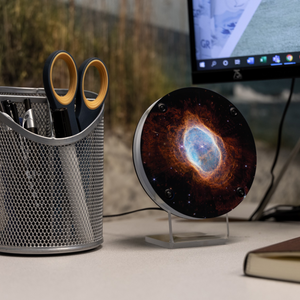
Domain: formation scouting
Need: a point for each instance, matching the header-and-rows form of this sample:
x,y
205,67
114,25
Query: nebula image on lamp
x,y
197,154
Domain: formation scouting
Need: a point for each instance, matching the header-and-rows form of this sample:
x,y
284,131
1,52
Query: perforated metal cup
x,y
51,190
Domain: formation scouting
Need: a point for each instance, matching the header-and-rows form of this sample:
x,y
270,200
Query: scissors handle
x,y
87,110
68,100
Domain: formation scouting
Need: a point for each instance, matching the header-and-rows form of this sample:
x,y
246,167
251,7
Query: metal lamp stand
x,y
187,240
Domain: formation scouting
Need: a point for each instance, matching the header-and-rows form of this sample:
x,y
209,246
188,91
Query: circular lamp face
x,y
194,154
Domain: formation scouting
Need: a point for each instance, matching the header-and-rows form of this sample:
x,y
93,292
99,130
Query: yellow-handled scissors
x,y
86,110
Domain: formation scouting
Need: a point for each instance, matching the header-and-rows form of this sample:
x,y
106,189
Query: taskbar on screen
x,y
276,59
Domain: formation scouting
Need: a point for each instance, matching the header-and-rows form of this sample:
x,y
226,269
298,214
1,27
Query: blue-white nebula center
x,y
201,149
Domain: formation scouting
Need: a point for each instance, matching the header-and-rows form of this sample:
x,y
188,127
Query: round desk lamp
x,y
194,154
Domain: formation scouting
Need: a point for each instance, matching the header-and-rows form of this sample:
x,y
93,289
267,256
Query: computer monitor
x,y
234,40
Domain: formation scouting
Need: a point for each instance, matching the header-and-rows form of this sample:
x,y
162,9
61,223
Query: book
x,y
279,261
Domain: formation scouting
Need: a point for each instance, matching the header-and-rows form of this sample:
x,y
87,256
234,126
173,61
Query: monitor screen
x,y
233,40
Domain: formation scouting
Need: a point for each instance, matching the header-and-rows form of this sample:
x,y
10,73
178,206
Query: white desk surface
x,y
126,267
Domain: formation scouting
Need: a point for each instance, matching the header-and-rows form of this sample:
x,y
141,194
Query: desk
x,y
126,267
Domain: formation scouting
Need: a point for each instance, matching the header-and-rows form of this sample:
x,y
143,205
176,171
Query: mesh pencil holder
x,y
51,190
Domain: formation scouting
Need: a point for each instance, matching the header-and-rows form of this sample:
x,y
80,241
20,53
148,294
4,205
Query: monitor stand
x,y
260,212
187,239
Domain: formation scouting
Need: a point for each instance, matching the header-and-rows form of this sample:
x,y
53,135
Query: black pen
x,y
6,107
10,109
14,111
29,119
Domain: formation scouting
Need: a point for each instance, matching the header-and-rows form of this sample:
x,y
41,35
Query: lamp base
x,y
187,240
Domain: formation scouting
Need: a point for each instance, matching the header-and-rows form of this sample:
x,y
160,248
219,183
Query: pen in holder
x,y
51,189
